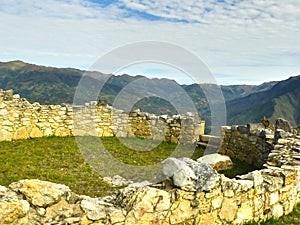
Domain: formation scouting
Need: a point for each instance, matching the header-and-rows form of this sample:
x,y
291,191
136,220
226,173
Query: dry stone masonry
x,y
192,193
251,143
20,119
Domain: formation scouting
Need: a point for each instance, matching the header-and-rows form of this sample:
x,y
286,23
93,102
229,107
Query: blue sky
x,y
240,41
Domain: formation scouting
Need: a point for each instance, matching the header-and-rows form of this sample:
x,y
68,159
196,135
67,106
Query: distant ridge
x,y
245,103
282,100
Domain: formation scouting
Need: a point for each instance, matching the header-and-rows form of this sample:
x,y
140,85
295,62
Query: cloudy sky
x,y
240,41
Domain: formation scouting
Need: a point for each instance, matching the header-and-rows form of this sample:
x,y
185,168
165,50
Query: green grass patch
x,y
239,168
53,159
59,160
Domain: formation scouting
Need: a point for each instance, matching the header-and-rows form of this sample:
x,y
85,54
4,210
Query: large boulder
x,y
180,173
190,175
217,161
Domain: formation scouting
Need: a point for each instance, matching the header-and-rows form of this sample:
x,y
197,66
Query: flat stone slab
x,y
217,161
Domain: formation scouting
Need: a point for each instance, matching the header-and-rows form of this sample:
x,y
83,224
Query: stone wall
x,y
193,193
20,119
251,143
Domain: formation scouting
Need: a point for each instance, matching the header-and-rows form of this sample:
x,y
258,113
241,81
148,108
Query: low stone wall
x,y
251,143
203,196
20,119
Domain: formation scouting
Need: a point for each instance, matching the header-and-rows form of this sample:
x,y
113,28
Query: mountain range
x,y
244,103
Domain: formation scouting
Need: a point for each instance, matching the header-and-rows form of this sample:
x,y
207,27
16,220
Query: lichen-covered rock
x,y
181,174
13,210
94,209
11,207
207,178
41,193
190,175
147,205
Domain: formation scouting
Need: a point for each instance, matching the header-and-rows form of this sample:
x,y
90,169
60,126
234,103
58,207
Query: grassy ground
x,y
59,160
53,159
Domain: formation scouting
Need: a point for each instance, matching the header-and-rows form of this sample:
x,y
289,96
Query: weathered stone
x,y
228,210
60,209
93,209
217,161
184,178
7,123
190,175
5,135
116,215
146,205
255,176
207,177
181,211
40,193
272,198
36,133
244,213
283,124
72,220
217,202
117,181
180,173
12,211
209,219
48,132
21,133
277,211
62,132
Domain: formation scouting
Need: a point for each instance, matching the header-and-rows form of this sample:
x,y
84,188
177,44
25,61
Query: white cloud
x,y
254,39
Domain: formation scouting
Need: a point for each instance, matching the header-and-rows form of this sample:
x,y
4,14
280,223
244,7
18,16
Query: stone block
x,y
36,133
5,135
217,161
40,193
244,213
21,133
277,211
229,210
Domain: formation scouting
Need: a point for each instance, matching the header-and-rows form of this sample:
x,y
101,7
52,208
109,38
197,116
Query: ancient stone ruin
x,y
192,193
20,119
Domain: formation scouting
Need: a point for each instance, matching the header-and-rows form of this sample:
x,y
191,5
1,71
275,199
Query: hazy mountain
x,y
281,100
245,103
